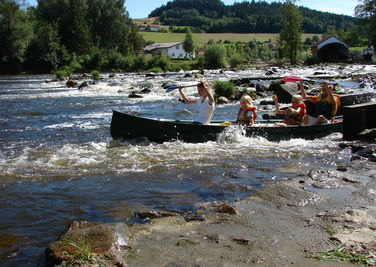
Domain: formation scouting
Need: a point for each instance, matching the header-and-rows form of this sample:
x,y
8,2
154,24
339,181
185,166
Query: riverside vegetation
x,y
77,36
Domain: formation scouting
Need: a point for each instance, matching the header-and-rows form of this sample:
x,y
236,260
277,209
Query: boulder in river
x,y
284,91
93,244
71,83
82,85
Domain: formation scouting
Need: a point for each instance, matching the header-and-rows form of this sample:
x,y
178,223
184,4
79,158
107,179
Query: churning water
x,y
59,164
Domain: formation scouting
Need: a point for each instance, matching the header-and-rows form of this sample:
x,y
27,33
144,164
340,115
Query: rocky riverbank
x,y
285,223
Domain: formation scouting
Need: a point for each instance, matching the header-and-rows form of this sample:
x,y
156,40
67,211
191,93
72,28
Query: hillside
x,y
213,16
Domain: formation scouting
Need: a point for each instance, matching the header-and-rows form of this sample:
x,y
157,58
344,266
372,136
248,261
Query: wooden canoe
x,y
126,126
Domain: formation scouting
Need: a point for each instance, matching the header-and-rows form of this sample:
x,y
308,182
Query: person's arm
x,y
209,94
332,98
303,92
185,98
277,109
251,121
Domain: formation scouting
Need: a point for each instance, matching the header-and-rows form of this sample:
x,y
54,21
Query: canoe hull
x,y
126,126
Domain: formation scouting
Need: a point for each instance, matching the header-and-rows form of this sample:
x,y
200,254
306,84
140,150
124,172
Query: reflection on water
x,y
59,164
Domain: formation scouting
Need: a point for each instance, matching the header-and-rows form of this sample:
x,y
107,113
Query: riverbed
x,y
58,162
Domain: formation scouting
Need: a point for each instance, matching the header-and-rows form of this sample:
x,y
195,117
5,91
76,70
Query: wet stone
x,y
225,208
194,217
242,240
186,242
154,214
342,168
99,244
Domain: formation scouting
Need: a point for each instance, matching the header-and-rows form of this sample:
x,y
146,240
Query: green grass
x,y
202,38
343,254
83,251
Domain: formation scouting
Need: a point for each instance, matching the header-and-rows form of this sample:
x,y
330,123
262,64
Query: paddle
x,y
172,87
296,79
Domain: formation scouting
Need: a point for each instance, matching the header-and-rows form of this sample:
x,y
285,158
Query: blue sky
x,y
142,8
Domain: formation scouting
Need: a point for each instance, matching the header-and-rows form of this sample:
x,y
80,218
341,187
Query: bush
x,y
235,60
155,69
62,73
226,89
160,61
94,60
139,63
215,56
95,74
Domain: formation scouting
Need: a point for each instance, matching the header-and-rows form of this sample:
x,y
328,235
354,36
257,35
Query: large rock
x,y
284,91
361,235
71,83
95,244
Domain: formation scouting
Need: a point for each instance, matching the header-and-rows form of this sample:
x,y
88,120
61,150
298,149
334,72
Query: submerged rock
x,y
71,83
226,208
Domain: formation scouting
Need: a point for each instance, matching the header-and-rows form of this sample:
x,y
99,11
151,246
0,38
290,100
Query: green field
x,y
202,38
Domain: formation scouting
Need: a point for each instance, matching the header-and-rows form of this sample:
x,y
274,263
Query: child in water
x,y
294,114
247,112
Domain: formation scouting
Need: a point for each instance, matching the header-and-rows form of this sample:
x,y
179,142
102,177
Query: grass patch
x,y
351,255
166,37
82,251
329,229
201,39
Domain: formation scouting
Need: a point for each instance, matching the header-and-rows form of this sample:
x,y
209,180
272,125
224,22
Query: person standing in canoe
x,y
326,104
205,102
294,114
247,112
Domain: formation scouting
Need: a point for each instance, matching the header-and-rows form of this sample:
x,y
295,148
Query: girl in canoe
x,y
205,102
294,114
247,112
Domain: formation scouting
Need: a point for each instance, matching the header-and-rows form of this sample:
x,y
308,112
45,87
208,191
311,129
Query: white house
x,y
149,27
173,50
155,28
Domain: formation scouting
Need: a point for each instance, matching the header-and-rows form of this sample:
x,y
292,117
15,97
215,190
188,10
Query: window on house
x,y
173,55
177,47
180,55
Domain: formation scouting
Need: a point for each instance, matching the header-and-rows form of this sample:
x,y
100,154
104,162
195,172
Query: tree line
x,y
77,33
244,17
85,35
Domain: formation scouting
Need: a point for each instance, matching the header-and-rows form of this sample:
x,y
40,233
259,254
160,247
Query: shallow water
x,y
59,164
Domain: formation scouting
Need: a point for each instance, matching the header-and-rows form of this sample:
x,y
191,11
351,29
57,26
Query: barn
x,y
330,49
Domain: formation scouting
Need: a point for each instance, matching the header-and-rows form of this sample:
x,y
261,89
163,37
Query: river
x,y
59,164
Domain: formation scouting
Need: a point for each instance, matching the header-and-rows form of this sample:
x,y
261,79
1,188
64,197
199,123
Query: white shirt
x,y
205,111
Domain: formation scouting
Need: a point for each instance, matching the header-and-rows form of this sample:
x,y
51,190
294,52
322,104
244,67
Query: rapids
x,y
59,164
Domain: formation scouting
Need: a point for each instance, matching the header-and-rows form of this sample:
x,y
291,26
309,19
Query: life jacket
x,y
325,107
302,112
242,115
302,107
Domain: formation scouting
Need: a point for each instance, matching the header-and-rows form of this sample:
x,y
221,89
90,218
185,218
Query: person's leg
x,y
320,120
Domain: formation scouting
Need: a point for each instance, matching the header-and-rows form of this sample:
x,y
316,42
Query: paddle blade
x,y
172,87
291,79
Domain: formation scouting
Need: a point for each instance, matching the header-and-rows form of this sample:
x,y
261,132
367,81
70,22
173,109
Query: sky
x,y
141,8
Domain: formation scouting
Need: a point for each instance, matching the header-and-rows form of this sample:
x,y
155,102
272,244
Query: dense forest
x,y
81,34
244,17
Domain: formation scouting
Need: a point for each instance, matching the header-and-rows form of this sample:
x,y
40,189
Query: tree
x,y
367,11
291,33
215,56
15,34
189,44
